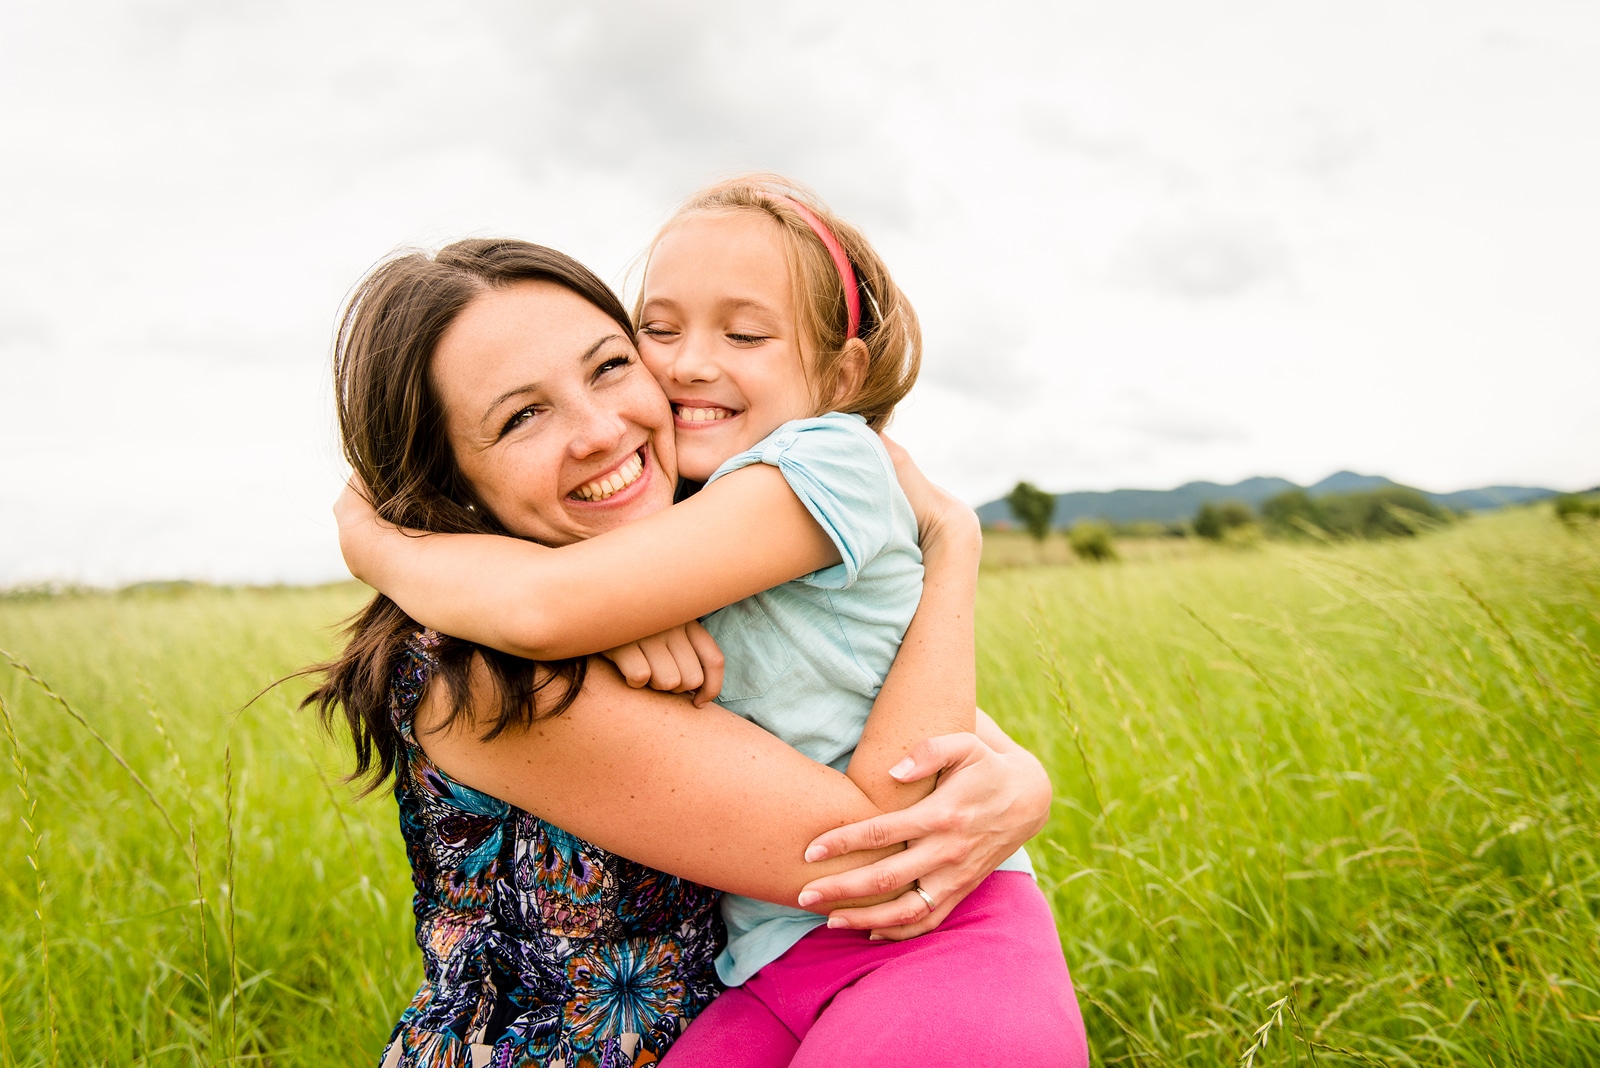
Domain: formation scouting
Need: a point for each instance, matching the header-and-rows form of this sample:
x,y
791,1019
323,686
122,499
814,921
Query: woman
x,y
519,783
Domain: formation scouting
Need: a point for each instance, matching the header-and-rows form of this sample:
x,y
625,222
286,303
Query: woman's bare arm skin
x,y
701,794
744,533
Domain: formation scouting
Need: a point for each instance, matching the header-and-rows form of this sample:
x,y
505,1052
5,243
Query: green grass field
x,y
1315,805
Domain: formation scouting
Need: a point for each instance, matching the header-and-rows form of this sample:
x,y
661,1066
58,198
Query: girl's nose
x,y
693,359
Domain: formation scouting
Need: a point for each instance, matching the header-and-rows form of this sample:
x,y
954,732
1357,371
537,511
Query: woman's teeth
x,y
614,483
702,415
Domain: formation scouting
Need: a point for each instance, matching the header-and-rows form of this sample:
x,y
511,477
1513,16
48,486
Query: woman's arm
x,y
704,795
993,796
744,533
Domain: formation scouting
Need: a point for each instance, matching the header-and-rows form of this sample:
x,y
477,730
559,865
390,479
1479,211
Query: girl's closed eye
x,y
747,339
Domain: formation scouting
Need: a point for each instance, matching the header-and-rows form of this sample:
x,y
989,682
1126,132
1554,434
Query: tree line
x,y
1392,511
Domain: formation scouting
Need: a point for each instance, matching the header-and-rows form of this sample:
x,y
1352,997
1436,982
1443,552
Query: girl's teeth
x,y
621,479
703,415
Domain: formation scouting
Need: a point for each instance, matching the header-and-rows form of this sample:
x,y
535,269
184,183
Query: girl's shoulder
x,y
838,468
837,448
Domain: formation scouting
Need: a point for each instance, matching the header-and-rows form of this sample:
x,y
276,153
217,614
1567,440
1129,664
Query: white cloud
x,y
1150,241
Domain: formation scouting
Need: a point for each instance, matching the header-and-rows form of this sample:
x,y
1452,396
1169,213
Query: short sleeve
x,y
838,468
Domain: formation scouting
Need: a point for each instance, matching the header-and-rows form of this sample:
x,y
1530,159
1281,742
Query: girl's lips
x,y
627,493
698,415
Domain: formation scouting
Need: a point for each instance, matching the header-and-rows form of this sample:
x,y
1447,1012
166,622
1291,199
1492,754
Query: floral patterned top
x,y
538,948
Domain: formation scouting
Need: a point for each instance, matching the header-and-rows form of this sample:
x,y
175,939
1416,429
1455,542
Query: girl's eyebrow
x,y
737,304
533,387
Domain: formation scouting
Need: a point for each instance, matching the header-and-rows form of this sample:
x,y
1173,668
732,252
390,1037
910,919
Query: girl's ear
x,y
852,371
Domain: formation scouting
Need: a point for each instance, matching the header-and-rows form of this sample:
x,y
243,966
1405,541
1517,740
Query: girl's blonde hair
x,y
889,326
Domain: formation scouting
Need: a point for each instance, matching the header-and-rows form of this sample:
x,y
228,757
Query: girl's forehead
x,y
750,238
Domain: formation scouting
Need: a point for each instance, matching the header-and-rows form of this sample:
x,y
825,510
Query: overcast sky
x,y
1149,241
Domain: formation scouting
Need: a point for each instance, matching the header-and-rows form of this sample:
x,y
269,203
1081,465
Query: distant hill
x,y
1176,505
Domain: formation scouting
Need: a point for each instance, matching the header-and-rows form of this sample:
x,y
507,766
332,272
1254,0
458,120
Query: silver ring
x,y
917,886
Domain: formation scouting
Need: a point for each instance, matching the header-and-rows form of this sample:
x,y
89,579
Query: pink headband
x,y
841,262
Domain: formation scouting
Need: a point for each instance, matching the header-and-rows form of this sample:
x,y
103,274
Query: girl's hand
x,y
678,660
358,521
987,804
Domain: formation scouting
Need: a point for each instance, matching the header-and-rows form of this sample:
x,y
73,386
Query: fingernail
x,y
836,923
809,897
873,937
902,769
815,852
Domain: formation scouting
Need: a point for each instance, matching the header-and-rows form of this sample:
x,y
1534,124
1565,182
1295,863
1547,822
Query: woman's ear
x,y
853,362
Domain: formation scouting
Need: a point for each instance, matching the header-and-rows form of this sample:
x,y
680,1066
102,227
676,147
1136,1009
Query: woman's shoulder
x,y
416,664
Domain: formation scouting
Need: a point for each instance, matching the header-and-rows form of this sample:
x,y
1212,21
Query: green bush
x,y
1213,521
1092,542
1033,507
1394,511
1291,513
1573,507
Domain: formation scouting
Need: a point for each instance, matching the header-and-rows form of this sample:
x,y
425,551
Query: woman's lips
x,y
625,476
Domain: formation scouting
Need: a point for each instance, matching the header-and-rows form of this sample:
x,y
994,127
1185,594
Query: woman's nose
x,y
596,429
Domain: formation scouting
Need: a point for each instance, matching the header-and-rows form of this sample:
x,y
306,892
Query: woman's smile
x,y
575,437
629,477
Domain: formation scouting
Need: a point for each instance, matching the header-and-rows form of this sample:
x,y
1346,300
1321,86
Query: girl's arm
x,y
932,687
744,533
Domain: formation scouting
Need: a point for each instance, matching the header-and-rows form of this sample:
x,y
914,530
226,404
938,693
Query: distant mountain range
x,y
1174,505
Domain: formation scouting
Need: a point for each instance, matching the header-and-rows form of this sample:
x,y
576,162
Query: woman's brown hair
x,y
392,426
889,326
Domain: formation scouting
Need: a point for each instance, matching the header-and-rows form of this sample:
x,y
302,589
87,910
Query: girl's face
x,y
559,428
717,329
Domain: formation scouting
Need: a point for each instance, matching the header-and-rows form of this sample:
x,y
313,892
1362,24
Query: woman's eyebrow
x,y
533,387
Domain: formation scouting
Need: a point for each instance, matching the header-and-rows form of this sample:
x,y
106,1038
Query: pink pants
x,y
988,987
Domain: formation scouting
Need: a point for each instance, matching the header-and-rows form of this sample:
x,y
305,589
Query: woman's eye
x,y
615,363
518,419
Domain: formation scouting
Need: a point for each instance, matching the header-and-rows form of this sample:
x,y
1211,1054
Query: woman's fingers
x,y
907,915
901,932
709,655
933,755
927,859
945,752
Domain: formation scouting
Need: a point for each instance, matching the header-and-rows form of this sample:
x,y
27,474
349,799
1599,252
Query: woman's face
x,y
551,416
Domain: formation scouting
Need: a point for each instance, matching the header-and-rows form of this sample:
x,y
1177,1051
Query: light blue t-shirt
x,y
805,660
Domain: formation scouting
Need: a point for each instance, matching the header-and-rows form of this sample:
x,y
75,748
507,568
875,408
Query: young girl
x,y
782,344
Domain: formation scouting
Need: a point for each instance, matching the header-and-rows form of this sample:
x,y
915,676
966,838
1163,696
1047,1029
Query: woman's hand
x,y
988,802
682,659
